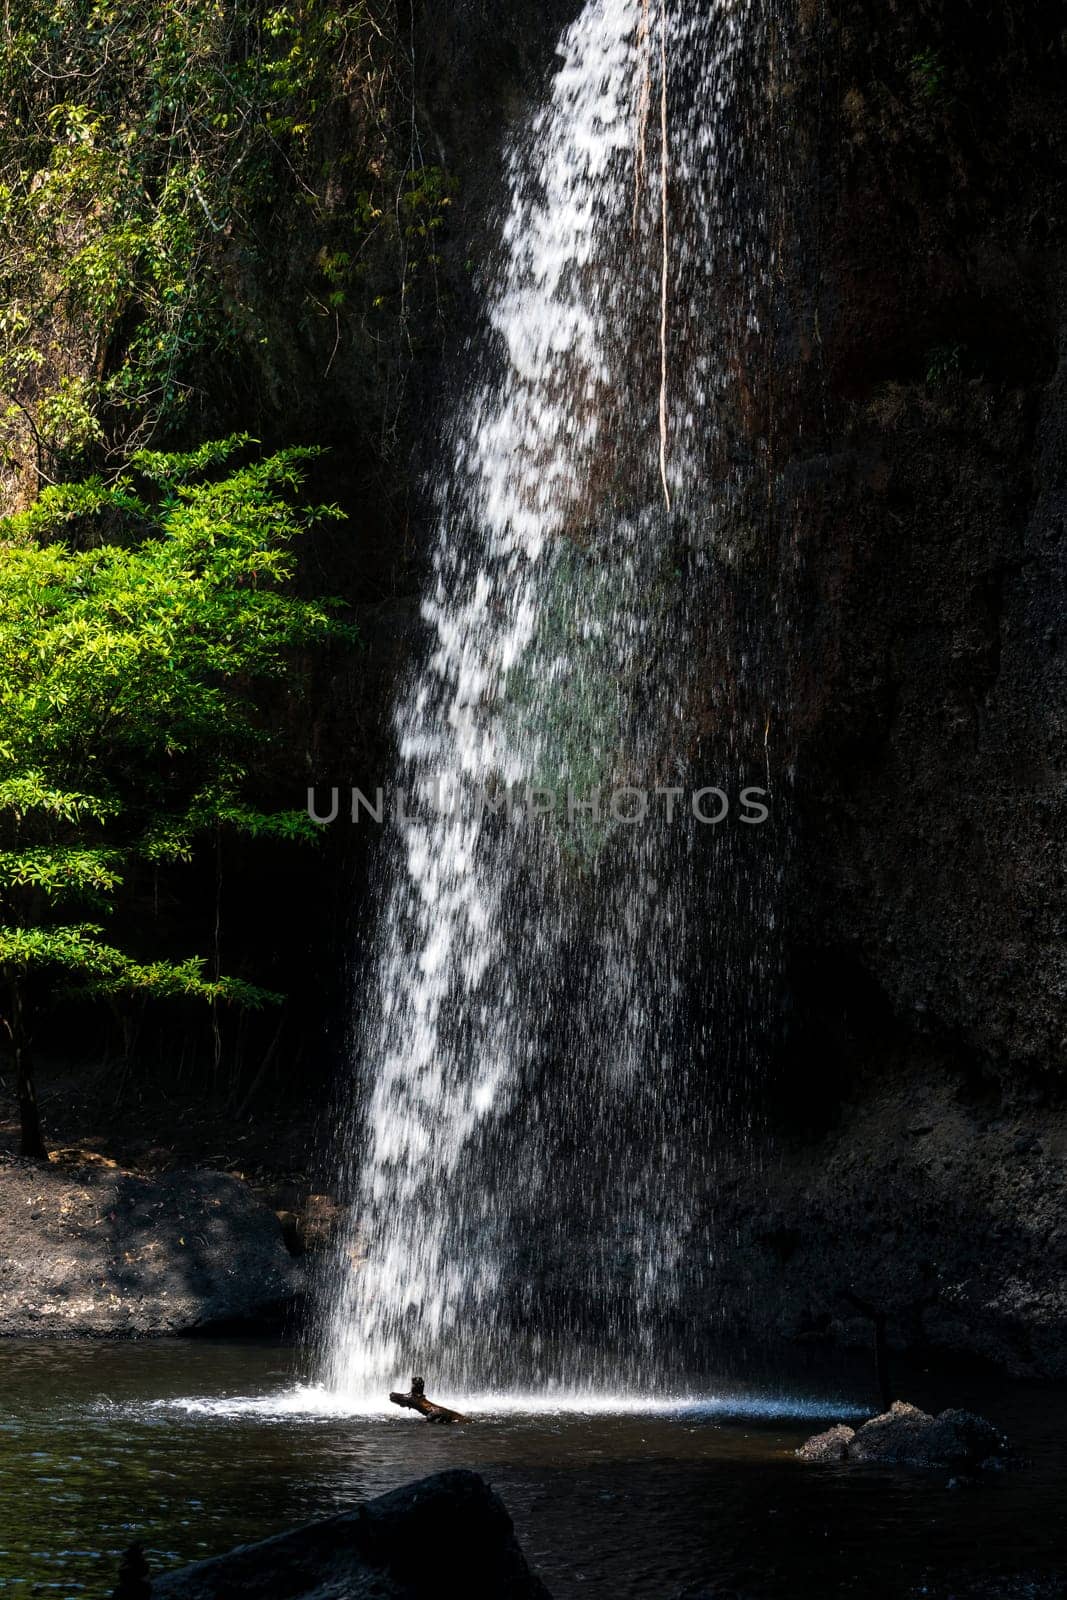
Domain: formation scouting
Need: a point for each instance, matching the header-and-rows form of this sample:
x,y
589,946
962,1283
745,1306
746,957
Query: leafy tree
x,y
170,173
132,663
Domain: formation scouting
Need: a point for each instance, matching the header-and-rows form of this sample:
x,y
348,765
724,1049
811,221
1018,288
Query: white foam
x,y
313,1402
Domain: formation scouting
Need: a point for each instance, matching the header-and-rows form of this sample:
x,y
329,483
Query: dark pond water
x,y
194,1447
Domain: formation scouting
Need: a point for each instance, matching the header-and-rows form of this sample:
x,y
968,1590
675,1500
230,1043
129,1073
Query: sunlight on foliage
x,y
139,623
156,161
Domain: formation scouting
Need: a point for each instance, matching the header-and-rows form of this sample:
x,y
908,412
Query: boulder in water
x,y
446,1533
906,1436
829,1446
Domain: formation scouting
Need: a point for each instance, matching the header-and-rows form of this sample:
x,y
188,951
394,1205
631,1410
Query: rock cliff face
x,y
941,1209
920,1145
915,1143
930,664
921,460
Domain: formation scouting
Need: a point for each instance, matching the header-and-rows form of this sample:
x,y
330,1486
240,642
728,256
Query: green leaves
x,y
132,672
144,149
175,466
130,645
29,792
62,870
100,968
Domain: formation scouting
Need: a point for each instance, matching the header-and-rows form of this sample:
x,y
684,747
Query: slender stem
x,y
666,255
643,98
31,1146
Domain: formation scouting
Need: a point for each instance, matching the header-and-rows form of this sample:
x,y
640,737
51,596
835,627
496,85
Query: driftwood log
x,y
417,1401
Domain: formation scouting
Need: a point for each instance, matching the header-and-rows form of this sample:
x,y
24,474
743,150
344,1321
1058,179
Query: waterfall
x,y
569,966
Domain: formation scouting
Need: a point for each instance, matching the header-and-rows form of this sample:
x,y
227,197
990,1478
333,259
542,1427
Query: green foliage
x,y
156,161
944,366
132,666
79,952
420,211
928,74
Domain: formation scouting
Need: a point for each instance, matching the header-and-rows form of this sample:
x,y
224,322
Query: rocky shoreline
x,y
95,1251
919,1199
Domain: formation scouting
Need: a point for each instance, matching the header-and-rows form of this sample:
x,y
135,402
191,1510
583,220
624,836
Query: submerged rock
x,y
99,1251
447,1533
906,1436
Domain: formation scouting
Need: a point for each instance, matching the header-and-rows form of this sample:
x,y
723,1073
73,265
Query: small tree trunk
x,y
31,1146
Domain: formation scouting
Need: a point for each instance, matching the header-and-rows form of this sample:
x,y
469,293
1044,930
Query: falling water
x,y
570,969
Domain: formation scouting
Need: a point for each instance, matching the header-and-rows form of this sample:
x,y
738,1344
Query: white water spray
x,y
544,1014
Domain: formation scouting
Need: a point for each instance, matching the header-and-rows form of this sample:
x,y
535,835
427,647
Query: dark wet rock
x,y
829,1446
703,1592
135,1578
957,1240
445,1533
1044,1586
98,1251
919,1150
906,1436
909,1436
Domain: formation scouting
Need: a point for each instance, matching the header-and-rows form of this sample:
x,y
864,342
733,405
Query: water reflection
x,y
194,1447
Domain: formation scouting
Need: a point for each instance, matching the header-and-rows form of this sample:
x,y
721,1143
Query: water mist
x,y
570,970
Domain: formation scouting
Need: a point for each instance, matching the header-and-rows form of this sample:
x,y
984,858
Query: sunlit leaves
x,y
61,869
29,792
132,670
139,143
90,963
174,466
